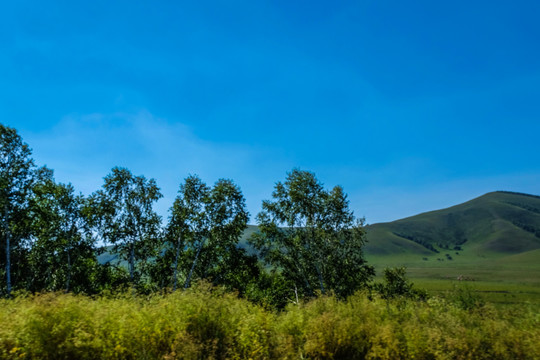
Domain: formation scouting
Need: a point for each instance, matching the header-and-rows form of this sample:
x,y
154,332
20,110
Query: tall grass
x,y
207,323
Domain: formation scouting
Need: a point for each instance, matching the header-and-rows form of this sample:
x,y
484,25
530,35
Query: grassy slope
x,y
492,223
498,256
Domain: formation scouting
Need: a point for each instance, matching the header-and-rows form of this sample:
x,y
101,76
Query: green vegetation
x,y
298,285
396,285
54,235
503,279
204,227
121,214
488,243
310,236
498,223
208,323
16,180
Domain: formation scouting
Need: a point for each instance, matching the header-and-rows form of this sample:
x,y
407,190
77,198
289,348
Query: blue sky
x,y
410,106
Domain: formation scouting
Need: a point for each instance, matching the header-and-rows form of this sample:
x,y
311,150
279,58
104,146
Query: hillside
x,y
495,223
493,241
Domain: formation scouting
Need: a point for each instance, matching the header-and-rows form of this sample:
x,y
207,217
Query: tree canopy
x,y
16,180
312,237
308,239
204,228
123,216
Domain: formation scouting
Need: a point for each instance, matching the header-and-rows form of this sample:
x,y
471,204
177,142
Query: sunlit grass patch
x,y
206,323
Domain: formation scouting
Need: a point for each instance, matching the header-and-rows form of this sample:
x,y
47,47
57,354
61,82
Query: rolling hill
x,y
495,223
493,241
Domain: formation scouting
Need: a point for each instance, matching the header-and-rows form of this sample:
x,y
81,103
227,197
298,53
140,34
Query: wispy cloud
x,y
82,149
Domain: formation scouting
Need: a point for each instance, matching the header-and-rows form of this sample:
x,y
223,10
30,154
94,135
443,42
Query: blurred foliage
x,y
206,322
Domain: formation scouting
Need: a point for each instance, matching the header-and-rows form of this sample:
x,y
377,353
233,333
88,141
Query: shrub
x,y
210,323
466,298
396,285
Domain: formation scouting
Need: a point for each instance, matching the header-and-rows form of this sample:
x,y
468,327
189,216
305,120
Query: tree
x,y
189,222
228,220
312,237
16,178
123,216
204,226
63,252
396,285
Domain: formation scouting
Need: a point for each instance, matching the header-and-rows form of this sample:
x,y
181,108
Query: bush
x,y
209,323
396,285
466,298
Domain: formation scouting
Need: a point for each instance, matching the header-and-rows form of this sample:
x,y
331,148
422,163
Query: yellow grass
x,y
207,323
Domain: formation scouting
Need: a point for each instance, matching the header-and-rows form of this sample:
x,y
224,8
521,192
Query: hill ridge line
x,y
500,222
517,193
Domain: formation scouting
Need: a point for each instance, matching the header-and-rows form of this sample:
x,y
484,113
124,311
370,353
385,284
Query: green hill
x,y
495,223
492,241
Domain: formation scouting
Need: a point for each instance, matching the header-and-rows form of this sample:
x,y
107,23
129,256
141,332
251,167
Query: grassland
x,y
499,278
497,254
491,244
481,267
495,223
206,323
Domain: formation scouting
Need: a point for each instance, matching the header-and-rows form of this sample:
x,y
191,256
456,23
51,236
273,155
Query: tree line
x,y
308,240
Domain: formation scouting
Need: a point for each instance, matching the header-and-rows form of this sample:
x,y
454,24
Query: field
x,y
493,312
501,279
479,263
206,323
490,244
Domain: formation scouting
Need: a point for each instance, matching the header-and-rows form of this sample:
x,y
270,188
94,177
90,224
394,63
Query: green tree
x,y
16,178
312,237
189,223
228,220
396,285
203,231
63,252
123,216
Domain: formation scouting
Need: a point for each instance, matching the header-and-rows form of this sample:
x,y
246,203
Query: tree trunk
x,y
186,285
176,263
308,286
131,262
321,282
68,278
8,250
306,281
318,250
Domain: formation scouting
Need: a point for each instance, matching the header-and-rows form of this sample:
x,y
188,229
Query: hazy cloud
x,y
82,149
